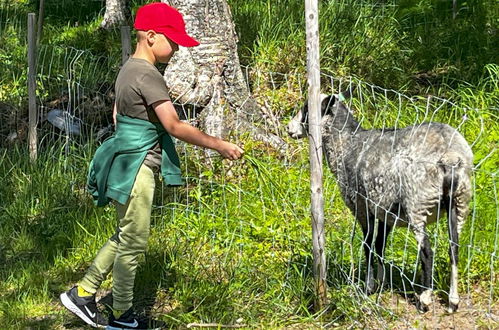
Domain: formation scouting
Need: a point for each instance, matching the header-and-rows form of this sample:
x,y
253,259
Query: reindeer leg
x,y
426,256
453,255
368,230
383,231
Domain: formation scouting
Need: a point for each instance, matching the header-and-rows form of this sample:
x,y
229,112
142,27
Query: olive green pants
x,y
121,251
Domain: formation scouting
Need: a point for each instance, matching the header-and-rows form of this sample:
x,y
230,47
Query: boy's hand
x,y
229,150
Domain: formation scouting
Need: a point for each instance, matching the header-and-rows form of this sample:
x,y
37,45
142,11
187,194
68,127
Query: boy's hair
x,y
140,35
161,18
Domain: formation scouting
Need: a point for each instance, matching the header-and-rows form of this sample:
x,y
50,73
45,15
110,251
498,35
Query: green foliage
x,y
234,245
43,210
89,37
363,39
13,65
214,261
453,49
268,30
61,12
413,45
351,32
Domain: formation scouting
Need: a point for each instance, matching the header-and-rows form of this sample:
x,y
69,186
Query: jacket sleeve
x,y
92,182
98,172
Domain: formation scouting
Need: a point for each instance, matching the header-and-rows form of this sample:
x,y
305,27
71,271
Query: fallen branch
x,y
215,325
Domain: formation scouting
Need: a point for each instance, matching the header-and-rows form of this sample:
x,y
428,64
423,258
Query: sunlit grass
x,y
232,245
235,244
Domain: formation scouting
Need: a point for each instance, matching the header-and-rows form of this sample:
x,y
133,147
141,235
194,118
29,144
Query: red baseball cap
x,y
161,18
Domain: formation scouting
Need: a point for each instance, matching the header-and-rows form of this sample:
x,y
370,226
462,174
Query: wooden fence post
x,y
315,148
126,44
41,15
33,113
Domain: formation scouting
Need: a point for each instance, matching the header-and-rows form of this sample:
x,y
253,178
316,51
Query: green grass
x,y
409,45
235,243
415,46
211,261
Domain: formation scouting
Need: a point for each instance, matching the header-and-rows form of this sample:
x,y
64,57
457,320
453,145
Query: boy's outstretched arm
x,y
190,134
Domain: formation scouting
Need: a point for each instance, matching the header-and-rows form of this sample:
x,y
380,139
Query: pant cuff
x,y
87,286
121,306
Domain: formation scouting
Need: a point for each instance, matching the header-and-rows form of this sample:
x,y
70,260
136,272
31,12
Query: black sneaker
x,y
130,320
84,307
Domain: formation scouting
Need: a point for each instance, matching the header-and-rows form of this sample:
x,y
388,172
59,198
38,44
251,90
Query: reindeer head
x,y
330,106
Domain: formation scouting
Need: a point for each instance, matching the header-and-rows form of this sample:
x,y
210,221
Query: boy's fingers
x,y
235,154
232,151
239,152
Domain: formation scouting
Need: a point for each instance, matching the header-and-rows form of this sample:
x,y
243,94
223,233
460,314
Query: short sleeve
x,y
153,87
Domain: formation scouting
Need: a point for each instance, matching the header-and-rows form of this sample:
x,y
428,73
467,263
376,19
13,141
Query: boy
x,y
123,166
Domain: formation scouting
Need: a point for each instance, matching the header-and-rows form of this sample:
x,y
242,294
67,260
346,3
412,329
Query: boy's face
x,y
163,48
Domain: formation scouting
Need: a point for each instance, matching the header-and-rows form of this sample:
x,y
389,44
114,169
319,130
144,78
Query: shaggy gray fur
x,y
397,177
408,169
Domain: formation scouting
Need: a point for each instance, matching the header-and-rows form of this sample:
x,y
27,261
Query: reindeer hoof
x,y
422,308
452,308
371,289
425,300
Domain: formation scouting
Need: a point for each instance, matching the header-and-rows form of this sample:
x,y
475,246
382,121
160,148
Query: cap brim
x,y
181,39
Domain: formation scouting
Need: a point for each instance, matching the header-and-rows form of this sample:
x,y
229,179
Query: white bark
x,y
209,76
117,13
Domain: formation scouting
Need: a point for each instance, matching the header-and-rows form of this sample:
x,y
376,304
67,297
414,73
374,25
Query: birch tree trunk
x,y
117,13
209,77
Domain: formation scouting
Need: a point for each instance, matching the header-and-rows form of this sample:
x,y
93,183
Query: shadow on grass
x,y
153,276
345,275
405,283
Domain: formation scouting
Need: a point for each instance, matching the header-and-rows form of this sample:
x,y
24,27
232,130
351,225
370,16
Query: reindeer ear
x,y
327,103
345,95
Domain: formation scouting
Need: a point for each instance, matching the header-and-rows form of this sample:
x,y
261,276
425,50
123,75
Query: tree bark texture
x,y
209,76
117,13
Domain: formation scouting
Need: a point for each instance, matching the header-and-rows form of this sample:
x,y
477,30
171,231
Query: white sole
x,y
115,328
75,310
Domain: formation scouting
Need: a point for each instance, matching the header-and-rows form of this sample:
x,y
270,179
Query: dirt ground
x,y
476,311
473,313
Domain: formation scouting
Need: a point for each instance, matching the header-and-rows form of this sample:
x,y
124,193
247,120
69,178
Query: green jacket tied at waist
x,y
117,161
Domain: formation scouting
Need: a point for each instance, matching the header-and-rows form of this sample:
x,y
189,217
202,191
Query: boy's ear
x,y
144,35
151,36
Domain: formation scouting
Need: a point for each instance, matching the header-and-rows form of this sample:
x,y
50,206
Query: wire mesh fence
x,y
247,222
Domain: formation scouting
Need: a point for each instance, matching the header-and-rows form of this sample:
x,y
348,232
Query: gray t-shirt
x,y
138,86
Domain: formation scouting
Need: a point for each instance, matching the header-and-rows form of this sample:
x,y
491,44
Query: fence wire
x,y
260,206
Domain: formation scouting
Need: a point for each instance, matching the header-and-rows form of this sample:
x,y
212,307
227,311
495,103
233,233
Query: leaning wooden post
x,y
126,44
41,15
315,148
33,113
